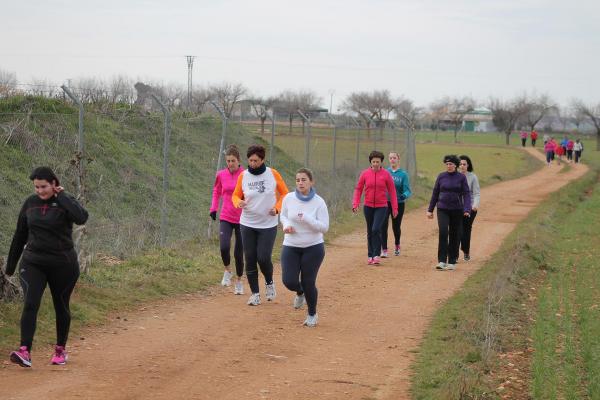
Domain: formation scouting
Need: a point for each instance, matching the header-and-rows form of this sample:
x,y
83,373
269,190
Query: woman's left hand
x,y
467,215
273,211
58,189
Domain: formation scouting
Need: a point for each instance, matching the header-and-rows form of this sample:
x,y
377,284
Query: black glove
x,y
213,215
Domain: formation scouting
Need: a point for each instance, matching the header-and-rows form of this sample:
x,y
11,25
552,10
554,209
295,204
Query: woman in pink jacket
x,y
229,218
377,183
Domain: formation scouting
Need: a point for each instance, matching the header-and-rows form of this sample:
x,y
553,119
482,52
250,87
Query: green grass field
x,y
547,316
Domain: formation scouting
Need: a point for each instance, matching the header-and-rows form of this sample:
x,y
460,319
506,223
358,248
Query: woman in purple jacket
x,y
452,196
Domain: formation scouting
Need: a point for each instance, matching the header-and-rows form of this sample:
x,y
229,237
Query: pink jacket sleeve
x,y
358,191
217,190
391,188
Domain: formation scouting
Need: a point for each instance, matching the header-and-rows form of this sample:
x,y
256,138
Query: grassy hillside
x,y
123,163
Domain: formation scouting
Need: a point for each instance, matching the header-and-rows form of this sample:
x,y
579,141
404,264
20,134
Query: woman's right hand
x,y
354,210
242,204
289,229
429,215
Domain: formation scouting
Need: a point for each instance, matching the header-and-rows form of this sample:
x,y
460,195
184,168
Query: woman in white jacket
x,y
466,167
304,218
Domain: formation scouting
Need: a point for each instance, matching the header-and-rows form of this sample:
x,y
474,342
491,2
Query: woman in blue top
x,y
403,192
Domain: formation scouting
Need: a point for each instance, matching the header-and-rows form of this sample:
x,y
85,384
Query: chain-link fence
x,y
136,201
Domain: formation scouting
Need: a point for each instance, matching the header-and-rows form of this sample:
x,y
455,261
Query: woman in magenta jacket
x,y
229,218
377,183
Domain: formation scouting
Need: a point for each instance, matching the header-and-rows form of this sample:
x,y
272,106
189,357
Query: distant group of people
x,y
254,201
555,151
523,135
456,194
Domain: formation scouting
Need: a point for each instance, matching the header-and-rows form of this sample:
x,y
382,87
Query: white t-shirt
x,y
310,219
260,197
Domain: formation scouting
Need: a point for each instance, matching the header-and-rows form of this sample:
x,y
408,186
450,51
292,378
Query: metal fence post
x,y
272,118
306,119
357,143
80,147
223,133
80,230
163,206
334,140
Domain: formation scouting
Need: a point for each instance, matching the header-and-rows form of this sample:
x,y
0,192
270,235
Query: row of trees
x,y
372,109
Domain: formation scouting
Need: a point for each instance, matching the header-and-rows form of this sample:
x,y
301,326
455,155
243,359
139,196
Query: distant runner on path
x,y
44,238
453,199
229,218
377,184
305,219
403,192
259,192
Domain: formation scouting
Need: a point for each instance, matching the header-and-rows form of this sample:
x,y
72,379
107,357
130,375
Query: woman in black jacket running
x,y
44,238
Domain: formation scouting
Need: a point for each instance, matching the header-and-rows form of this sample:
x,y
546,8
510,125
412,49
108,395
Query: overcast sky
x,y
422,49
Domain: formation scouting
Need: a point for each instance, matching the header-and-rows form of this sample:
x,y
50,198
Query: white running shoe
x,y
311,320
299,301
271,292
226,281
384,254
450,267
440,266
254,300
239,288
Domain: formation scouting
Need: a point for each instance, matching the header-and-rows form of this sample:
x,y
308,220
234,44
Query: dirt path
x,y
216,347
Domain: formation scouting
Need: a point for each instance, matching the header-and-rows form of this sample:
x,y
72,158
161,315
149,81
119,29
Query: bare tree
x,y
227,95
8,83
360,103
409,114
289,102
121,90
577,116
42,88
454,110
286,103
537,108
261,106
592,114
200,96
506,114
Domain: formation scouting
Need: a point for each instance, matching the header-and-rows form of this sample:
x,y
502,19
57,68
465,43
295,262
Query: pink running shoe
x,y
376,260
60,356
370,261
21,357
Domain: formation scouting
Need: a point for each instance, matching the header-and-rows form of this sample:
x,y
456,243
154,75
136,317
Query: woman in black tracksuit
x,y
44,238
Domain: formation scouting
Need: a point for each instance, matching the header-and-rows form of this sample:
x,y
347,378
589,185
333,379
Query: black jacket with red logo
x,y
46,227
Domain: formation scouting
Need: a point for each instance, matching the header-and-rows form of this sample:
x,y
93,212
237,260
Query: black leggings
x,y
450,224
396,223
299,267
374,217
61,274
465,241
258,248
226,228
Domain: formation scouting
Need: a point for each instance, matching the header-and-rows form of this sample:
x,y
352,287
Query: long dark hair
x,y
469,163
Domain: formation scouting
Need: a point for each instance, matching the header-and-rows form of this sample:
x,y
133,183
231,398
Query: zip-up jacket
x,y
473,183
549,146
401,183
224,186
451,192
261,193
377,185
46,227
